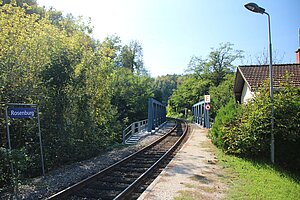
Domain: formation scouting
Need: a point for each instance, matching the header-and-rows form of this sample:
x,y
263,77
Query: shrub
x,y
226,117
287,127
245,130
4,168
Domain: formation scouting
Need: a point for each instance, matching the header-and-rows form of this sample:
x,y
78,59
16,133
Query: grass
x,y
195,194
189,195
257,180
246,180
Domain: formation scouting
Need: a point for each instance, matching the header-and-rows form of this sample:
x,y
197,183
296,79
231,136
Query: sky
x,y
172,31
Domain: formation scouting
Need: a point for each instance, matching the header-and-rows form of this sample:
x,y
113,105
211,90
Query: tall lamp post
x,y
255,8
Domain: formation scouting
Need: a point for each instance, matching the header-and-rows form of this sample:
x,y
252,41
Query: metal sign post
x,y
21,111
207,108
41,145
9,144
206,113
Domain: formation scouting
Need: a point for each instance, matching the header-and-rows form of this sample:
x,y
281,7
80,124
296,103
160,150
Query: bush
x,y
4,168
226,117
245,129
287,127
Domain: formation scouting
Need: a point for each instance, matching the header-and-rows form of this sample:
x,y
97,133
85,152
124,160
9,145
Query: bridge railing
x,y
156,114
135,127
201,114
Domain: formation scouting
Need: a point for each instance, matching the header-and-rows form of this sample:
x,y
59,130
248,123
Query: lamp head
x,y
255,8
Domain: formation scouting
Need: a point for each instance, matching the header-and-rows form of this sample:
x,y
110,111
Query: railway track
x,y
127,178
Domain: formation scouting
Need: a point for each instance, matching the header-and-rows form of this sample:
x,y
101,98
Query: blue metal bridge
x,y
157,118
200,112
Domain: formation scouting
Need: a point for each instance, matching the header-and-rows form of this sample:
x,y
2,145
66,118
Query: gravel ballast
x,y
65,176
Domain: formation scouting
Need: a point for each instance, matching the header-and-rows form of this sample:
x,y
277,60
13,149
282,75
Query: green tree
x,y
30,6
132,57
204,74
20,3
221,94
130,95
218,63
221,60
188,93
17,59
110,49
80,84
164,86
27,45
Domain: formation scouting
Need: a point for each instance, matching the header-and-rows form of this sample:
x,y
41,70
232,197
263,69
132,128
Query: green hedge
x,y
245,129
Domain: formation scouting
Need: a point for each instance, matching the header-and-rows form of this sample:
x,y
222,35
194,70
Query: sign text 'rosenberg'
x,y
21,112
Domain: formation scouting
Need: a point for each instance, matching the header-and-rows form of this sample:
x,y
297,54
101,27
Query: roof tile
x,y
255,75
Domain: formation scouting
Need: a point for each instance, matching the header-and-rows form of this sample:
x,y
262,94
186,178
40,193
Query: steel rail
x,y
81,184
140,179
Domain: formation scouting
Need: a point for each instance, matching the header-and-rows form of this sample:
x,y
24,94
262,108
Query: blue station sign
x,y
21,112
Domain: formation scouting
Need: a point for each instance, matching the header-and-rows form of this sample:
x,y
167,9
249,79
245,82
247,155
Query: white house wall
x,y
246,94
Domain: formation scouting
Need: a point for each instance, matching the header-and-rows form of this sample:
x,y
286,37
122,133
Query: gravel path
x,y
192,174
56,180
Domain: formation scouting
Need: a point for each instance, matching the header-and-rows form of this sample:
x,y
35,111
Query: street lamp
x,y
255,8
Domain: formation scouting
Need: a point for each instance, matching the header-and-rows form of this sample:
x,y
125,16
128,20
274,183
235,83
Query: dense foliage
x,y
246,129
164,87
221,94
87,90
204,77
